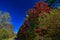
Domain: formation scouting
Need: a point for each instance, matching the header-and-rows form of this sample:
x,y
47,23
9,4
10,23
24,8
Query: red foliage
x,y
41,7
37,30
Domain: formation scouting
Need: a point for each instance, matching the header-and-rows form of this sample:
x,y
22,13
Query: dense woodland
x,y
42,23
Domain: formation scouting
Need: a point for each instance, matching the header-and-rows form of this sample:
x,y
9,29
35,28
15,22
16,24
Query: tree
x,y
5,20
4,34
54,25
48,26
53,3
5,25
43,23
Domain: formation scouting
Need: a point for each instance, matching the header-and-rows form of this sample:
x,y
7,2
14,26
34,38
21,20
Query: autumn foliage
x,y
41,23
40,7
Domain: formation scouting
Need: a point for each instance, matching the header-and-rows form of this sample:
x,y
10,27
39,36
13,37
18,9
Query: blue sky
x,y
17,10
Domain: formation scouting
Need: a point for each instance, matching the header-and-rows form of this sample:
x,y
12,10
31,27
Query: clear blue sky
x,y
17,10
